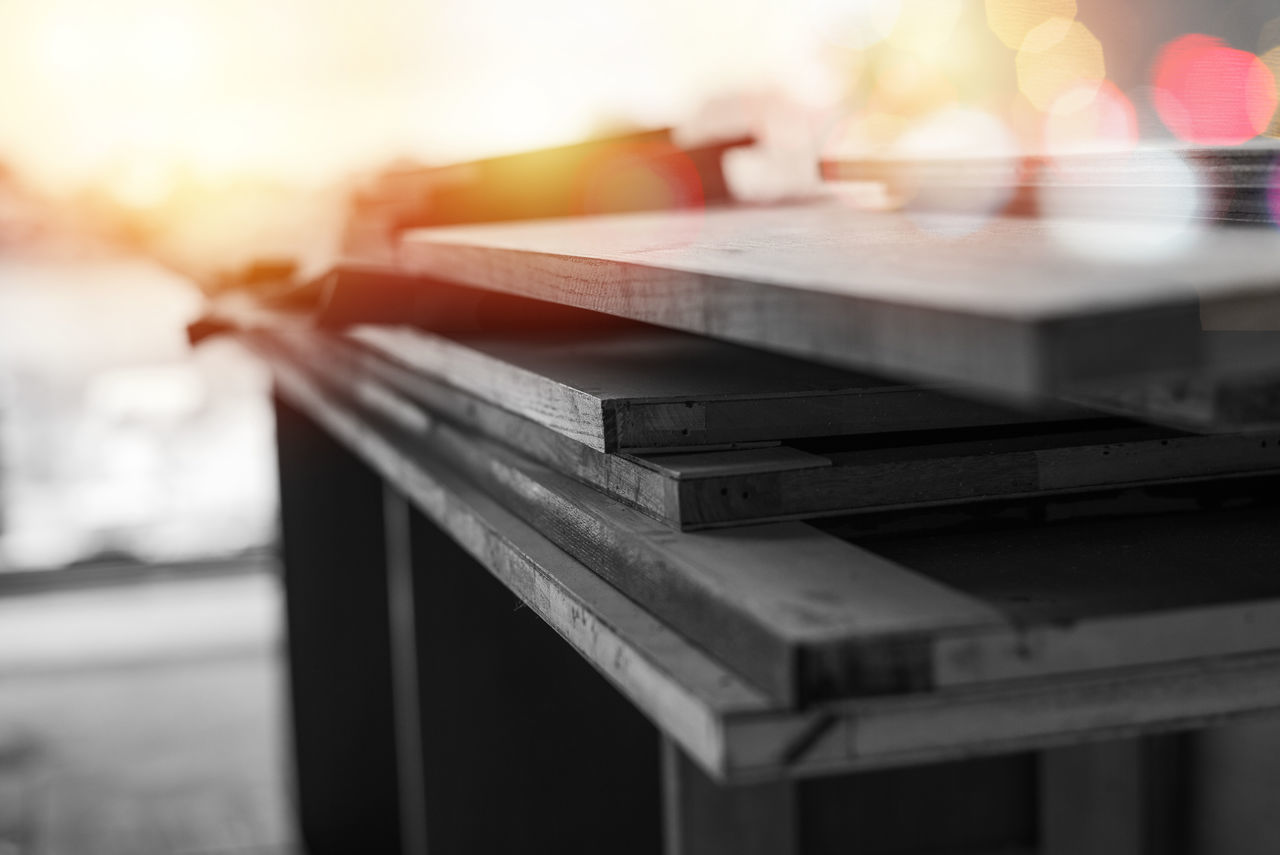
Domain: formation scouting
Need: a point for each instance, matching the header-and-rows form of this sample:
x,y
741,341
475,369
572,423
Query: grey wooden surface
x,y
632,387
1006,307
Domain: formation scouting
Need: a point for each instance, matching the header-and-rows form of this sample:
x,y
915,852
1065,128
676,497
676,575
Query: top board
x,y
1019,306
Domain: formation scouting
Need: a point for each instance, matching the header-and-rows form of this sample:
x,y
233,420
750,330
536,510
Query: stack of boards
x,y
807,568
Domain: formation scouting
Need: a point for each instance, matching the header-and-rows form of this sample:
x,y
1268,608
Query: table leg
x,y
338,638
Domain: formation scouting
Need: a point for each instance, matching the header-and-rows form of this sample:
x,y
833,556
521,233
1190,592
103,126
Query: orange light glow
x,y
117,96
1210,94
1056,56
1091,118
653,176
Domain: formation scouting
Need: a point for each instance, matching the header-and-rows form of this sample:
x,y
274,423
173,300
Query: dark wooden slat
x,y
404,665
339,642
703,817
633,387
1006,308
983,807
1121,797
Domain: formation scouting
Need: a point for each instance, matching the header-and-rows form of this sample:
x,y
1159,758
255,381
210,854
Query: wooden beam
x,y
346,787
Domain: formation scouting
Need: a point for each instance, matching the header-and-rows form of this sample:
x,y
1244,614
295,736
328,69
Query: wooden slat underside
x,y
724,724
1005,307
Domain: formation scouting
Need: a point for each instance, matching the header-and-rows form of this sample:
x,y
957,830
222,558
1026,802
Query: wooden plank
x,y
633,387
873,733
383,385
919,473
403,626
732,730
725,487
808,616
1007,307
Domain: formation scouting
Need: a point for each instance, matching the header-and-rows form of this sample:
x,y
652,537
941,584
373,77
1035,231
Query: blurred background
x,y
146,145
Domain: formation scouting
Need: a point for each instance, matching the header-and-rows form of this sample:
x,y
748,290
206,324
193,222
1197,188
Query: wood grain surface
x,y
634,387
1006,307
700,489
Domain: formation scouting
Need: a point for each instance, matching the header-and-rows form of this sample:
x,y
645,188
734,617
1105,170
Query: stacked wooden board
x,y
794,567
871,446
793,648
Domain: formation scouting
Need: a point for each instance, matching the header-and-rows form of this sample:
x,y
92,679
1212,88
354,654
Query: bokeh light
x,y
1091,118
1056,56
1012,20
1154,211
1211,94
